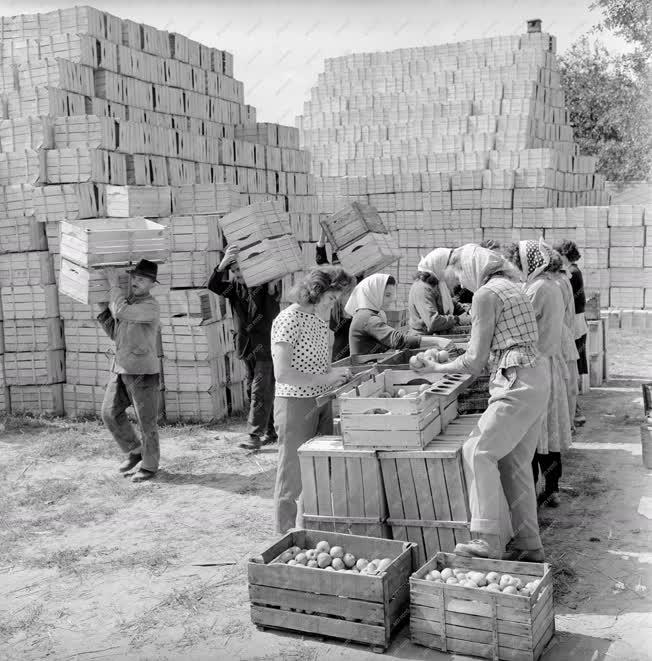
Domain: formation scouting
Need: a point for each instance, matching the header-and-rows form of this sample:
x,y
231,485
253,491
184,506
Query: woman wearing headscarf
x,y
431,307
570,256
568,347
533,258
498,453
369,331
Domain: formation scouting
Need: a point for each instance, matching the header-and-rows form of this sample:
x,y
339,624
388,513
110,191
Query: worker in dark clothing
x,y
340,322
254,310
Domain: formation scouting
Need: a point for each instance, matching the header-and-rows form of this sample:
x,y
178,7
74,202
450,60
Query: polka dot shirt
x,y
308,335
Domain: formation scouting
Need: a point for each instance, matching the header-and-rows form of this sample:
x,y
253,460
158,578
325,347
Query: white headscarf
x,y
368,294
535,257
435,262
474,264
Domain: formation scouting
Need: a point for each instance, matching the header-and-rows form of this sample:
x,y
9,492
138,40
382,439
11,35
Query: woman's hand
x,y
443,343
464,319
338,376
429,366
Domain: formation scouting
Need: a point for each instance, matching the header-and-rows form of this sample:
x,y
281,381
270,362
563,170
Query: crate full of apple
x,y
494,609
333,558
332,584
390,412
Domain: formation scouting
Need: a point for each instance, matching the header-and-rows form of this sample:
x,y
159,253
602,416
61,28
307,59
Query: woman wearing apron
x,y
533,259
498,453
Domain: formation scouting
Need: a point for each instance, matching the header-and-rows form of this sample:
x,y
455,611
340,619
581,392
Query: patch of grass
x,y
46,492
64,560
26,621
564,576
154,560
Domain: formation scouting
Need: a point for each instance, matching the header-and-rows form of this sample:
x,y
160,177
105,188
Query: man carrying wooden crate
x,y
133,323
254,310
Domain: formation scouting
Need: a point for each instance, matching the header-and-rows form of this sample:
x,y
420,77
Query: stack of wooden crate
x,y
103,118
484,151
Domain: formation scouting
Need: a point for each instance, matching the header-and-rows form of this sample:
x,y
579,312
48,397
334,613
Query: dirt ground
x,y
94,567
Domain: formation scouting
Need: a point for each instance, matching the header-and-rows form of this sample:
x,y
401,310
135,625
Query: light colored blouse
x,y
548,304
309,337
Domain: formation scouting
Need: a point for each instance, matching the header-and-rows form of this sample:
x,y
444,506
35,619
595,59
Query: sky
x,y
279,46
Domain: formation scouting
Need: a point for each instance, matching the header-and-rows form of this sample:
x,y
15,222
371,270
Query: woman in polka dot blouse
x,y
302,367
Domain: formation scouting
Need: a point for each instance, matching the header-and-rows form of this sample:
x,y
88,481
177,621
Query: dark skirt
x,y
582,364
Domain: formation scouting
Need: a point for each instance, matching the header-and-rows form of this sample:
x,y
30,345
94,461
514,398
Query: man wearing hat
x,y
133,323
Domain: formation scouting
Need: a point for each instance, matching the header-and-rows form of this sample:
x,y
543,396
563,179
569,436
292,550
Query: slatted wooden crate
x,y
270,259
68,202
255,223
35,367
21,234
85,335
113,241
130,201
25,133
351,223
81,164
30,268
85,368
427,496
204,199
37,101
37,399
33,334
193,304
475,622
90,286
189,339
369,254
353,607
195,406
342,490
192,269
194,233
411,423
80,401
29,302
22,167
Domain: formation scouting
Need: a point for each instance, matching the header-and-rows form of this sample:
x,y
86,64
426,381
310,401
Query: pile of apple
x,y
422,359
401,393
491,581
333,558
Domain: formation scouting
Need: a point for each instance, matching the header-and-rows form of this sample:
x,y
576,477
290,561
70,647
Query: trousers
x,y
298,419
142,391
498,454
260,390
549,465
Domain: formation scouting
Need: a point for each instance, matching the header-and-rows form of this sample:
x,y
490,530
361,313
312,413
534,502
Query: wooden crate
x,y
342,489
86,368
82,400
194,233
34,367
22,234
411,423
86,335
353,607
195,406
90,285
29,302
45,400
351,223
80,164
270,259
68,202
369,254
255,223
30,268
476,622
427,496
33,334
204,198
130,201
113,241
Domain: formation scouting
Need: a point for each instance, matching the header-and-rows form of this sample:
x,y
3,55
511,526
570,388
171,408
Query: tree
x,y
630,19
610,108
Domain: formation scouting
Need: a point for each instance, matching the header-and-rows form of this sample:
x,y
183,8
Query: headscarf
x,y
435,262
475,262
535,257
368,294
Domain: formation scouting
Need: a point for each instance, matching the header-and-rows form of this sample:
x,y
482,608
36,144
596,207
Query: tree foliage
x,y
608,95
